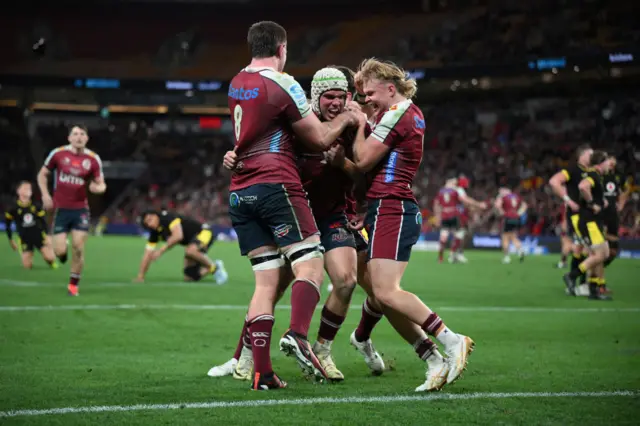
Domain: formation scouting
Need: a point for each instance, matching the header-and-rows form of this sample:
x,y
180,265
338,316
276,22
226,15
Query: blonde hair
x,y
373,68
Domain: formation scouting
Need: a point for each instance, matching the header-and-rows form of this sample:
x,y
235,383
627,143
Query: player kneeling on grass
x,y
174,229
510,207
31,227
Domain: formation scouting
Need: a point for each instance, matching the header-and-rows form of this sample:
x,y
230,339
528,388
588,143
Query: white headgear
x,y
324,80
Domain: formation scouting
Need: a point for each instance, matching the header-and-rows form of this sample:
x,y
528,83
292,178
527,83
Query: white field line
x,y
523,309
314,401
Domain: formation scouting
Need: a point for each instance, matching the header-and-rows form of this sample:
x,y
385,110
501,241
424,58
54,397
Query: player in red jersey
x,y
391,156
447,210
464,210
268,206
334,207
510,207
73,165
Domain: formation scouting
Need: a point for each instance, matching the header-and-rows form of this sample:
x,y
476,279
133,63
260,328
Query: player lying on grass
x,y
30,226
176,229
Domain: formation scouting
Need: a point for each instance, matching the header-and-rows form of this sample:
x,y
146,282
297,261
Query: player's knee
x,y
444,236
343,285
77,252
384,294
459,234
59,249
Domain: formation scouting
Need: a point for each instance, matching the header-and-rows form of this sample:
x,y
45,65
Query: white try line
x,y
314,401
522,309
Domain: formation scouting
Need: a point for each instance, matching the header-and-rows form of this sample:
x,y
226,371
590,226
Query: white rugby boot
x,y
371,357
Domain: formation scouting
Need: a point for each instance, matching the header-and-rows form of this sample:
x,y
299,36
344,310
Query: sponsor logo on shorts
x,y
234,200
341,236
281,230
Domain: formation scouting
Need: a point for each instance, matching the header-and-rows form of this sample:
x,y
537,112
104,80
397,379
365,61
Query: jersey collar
x,y
21,204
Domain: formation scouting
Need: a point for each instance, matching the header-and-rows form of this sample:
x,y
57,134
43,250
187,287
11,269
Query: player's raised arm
x,y
470,202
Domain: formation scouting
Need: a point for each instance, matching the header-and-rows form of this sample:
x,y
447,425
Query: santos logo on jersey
x,y
73,180
242,94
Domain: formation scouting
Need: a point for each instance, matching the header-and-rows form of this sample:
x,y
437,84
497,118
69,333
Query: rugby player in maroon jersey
x,y
330,193
74,165
268,206
510,207
391,156
447,211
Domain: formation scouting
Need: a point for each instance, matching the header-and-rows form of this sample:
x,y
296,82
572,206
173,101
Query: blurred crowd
x,y
514,30
441,32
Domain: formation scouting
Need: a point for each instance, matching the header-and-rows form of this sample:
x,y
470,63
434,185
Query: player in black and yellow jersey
x,y
616,192
565,185
30,226
175,229
588,226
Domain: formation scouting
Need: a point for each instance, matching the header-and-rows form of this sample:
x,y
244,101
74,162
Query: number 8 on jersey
x,y
237,118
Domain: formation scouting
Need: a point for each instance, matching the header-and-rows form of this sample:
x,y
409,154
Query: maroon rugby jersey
x,y
448,199
511,203
71,172
328,187
263,104
401,128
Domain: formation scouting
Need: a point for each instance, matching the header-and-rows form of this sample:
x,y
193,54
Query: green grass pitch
x,y
541,357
